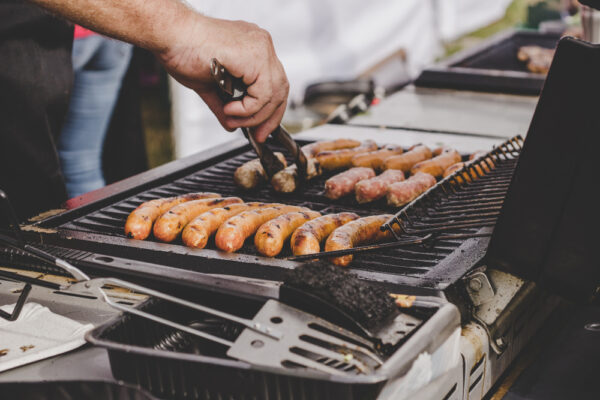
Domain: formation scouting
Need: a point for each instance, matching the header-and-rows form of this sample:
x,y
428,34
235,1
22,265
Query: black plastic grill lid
x,y
548,229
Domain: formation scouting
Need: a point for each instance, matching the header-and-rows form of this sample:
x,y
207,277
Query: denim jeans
x,y
99,64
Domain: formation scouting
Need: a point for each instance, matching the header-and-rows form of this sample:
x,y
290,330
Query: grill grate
x,y
471,198
414,265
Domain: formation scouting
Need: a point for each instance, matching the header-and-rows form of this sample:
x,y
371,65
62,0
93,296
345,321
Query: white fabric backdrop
x,y
458,17
328,39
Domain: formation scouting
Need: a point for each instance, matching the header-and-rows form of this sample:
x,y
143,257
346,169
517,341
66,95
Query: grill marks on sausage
x,y
355,233
272,235
308,237
231,235
197,233
168,226
139,222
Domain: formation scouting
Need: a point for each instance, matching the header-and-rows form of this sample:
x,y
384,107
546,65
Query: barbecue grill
x,y
98,228
448,228
492,66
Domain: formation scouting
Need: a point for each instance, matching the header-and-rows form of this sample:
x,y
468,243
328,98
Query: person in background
x,y
36,77
99,64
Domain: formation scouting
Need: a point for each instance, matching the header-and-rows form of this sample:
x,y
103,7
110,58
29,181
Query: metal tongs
x,y
234,89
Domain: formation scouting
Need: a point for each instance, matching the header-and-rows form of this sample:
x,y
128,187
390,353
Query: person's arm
x,y
185,42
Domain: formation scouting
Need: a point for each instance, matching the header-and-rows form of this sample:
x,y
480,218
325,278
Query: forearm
x,y
151,24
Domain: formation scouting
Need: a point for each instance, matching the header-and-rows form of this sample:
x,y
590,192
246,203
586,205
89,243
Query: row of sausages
x,y
423,165
199,216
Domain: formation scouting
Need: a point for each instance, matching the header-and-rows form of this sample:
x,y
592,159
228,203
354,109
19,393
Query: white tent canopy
x,y
318,40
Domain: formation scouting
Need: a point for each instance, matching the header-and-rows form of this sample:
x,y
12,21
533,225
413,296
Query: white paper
x,y
37,334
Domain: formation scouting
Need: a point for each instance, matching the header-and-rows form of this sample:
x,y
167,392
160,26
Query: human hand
x,y
247,52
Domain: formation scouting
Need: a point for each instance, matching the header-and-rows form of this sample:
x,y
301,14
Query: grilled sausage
x,y
480,170
405,162
287,180
232,234
374,159
355,233
437,165
339,159
343,183
375,188
139,222
201,228
169,225
252,174
307,239
312,149
271,235
453,168
402,193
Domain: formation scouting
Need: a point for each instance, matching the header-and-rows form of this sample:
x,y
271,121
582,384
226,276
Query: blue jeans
x,y
99,64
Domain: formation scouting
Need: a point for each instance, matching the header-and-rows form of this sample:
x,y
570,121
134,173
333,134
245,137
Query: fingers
x,y
262,131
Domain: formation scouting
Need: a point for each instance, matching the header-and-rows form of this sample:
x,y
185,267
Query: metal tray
x,y
492,66
171,364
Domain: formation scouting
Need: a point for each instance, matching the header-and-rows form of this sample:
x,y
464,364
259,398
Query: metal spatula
x,y
306,341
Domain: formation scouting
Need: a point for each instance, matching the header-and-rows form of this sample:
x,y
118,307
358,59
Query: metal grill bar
x,y
471,197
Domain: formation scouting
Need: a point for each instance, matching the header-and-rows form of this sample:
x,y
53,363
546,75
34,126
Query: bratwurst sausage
x,y
251,174
405,162
307,239
339,159
288,180
343,183
355,233
197,232
140,221
437,165
402,193
312,149
231,235
271,235
375,188
169,225
374,159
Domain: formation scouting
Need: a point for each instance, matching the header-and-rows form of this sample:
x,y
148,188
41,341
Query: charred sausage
x,y
252,174
169,225
231,235
339,159
355,233
437,165
271,235
199,230
139,222
402,193
375,188
374,159
312,149
307,238
343,183
405,162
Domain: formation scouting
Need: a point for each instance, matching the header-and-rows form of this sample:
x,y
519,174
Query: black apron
x,y
35,82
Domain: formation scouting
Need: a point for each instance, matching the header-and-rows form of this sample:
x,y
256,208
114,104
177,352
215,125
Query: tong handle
x,y
234,89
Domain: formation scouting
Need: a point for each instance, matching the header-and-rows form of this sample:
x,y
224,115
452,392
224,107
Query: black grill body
x,y
97,227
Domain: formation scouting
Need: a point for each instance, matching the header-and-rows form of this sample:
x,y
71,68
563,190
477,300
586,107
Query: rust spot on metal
x,y
27,347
